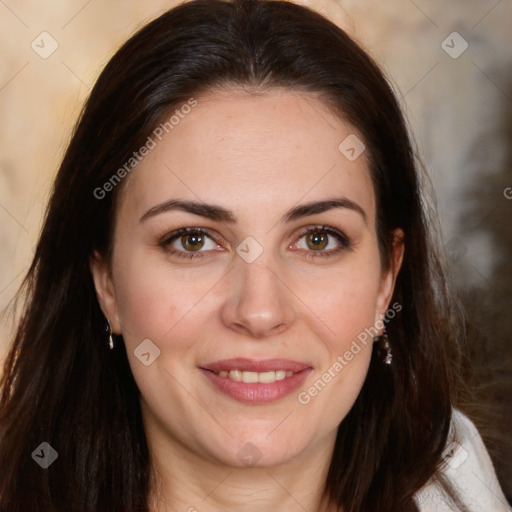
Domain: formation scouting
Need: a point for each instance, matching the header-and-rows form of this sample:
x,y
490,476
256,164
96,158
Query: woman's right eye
x,y
189,242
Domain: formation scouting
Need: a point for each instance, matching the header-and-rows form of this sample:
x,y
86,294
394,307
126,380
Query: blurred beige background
x,y
456,90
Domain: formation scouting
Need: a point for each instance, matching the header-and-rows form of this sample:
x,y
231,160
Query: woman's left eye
x,y
316,241
322,241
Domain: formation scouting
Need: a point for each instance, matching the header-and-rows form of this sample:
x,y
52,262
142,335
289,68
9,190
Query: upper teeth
x,y
251,377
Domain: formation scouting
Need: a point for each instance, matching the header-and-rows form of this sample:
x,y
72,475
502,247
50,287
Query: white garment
x,y
469,470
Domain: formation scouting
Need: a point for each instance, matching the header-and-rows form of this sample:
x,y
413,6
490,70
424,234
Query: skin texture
x,y
257,155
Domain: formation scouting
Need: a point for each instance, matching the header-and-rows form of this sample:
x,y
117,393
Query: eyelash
x,y
344,241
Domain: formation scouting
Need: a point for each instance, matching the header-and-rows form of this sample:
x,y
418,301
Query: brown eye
x,y
322,241
317,240
192,241
189,242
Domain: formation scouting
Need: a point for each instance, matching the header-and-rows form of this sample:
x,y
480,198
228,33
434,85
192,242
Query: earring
x,y
110,338
383,347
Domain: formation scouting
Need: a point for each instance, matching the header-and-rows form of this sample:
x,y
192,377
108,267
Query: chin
x,y
259,451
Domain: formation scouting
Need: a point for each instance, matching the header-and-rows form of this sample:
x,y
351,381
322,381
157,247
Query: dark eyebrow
x,y
210,211
304,210
218,213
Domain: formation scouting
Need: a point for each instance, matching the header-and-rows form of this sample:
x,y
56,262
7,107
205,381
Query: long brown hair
x,y
63,386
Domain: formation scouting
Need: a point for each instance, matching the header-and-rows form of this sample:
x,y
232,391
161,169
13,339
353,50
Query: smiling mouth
x,y
256,381
248,377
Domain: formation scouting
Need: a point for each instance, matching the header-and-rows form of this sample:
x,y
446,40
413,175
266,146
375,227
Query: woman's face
x,y
240,332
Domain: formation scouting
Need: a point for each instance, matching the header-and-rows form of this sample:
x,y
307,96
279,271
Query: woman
x,y
234,302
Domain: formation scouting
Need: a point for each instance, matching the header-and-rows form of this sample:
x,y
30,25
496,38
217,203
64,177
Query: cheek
x,y
342,307
343,301
343,316
154,300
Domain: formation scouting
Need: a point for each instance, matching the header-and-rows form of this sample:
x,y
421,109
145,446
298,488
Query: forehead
x,y
268,150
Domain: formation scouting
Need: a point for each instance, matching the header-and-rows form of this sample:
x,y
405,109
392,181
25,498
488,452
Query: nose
x,y
258,303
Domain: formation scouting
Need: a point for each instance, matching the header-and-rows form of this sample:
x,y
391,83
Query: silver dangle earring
x,y
383,347
110,338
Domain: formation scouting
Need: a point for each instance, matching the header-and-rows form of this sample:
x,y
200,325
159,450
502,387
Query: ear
x,y
388,278
105,290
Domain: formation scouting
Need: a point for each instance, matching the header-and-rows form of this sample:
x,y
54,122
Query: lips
x,y
256,381
256,365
